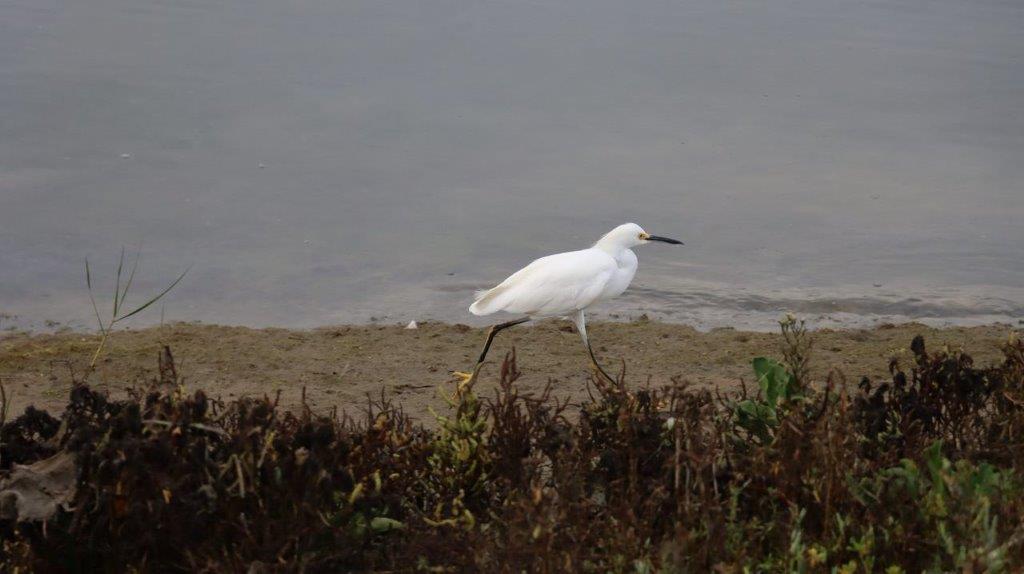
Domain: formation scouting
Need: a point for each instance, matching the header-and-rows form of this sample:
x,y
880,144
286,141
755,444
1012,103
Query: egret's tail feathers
x,y
486,301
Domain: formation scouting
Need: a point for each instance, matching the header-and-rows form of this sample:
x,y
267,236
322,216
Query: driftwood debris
x,y
35,492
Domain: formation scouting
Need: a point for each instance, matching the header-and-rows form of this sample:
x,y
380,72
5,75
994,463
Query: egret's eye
x,y
640,236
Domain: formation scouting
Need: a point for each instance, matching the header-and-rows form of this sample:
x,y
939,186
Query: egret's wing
x,y
551,285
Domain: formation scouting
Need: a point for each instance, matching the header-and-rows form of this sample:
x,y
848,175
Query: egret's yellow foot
x,y
463,377
465,380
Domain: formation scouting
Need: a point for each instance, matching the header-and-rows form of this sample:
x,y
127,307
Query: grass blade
x,y
157,298
131,276
117,283
88,284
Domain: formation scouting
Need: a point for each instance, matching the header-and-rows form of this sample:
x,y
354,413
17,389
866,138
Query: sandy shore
x,y
338,366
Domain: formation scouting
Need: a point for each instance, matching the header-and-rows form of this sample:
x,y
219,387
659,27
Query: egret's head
x,y
630,235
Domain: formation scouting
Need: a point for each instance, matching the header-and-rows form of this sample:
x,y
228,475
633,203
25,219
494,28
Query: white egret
x,y
565,285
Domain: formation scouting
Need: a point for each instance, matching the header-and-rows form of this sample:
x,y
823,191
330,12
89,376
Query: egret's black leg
x,y
494,331
593,361
468,378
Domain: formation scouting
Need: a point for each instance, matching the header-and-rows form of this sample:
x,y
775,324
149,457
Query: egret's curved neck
x,y
610,246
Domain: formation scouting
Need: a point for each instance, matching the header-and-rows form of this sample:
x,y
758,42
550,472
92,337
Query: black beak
x,y
664,240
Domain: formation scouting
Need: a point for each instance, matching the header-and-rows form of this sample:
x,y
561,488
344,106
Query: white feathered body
x,y
561,284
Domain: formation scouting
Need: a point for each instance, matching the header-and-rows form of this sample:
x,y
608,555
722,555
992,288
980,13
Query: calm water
x,y
324,161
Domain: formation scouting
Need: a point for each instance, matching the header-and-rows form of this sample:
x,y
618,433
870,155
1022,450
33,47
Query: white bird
x,y
565,285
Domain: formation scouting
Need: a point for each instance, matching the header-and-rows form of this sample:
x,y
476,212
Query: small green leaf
x,y
775,381
383,524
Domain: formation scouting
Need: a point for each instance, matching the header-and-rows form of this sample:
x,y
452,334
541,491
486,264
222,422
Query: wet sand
x,y
339,366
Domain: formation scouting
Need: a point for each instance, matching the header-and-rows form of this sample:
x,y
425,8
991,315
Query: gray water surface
x,y
324,161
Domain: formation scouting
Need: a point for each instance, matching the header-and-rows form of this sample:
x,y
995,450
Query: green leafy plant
x,y
948,505
460,460
759,416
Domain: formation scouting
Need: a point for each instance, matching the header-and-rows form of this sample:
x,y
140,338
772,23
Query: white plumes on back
x,y
565,283
551,286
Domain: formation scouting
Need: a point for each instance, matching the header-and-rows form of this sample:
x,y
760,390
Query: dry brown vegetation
x,y
339,365
917,471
